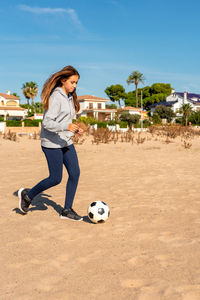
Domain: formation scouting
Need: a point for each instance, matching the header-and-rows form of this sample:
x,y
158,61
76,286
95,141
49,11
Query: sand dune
x,y
147,250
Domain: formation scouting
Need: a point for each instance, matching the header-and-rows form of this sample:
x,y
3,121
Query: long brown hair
x,y
54,81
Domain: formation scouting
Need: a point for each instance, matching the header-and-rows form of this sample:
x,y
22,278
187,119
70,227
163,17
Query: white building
x,y
95,107
177,99
133,110
9,107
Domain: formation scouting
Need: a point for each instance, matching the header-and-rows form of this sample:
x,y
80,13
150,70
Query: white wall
x,y
7,100
85,104
132,112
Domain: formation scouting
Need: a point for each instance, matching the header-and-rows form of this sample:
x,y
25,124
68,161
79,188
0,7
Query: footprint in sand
x,y
139,260
189,292
85,259
44,225
191,296
164,260
47,283
175,241
150,293
134,283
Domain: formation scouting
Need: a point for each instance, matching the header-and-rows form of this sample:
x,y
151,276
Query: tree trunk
x,y
28,105
136,94
186,121
32,104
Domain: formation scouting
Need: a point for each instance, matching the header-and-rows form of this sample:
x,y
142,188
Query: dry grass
x,y
165,134
12,136
34,136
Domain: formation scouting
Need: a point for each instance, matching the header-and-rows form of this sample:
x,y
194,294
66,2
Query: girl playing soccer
x,y
60,103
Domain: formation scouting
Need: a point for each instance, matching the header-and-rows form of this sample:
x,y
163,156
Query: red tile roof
x,y
130,108
90,97
6,96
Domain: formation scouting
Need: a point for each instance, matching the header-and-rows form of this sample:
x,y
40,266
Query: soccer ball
x,y
98,212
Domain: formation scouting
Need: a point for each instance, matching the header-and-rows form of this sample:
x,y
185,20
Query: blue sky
x,y
104,39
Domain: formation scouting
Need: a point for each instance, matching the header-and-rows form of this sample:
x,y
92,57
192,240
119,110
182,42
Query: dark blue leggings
x,y
55,159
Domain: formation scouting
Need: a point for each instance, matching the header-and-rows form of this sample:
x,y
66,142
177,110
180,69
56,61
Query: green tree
x,y
136,77
116,92
186,110
151,94
156,118
38,107
112,106
129,118
165,112
160,88
194,118
30,91
15,94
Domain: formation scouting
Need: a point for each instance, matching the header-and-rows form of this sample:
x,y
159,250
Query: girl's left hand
x,y
79,131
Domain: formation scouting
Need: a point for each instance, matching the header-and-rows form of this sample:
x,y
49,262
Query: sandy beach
x,y
149,249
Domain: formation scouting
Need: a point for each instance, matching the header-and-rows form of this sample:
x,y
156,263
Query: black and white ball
x,y
98,212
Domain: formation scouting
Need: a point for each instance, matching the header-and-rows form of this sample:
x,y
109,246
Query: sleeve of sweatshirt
x,y
49,121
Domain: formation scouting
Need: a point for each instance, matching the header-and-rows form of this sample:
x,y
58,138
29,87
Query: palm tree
x,y
186,110
30,91
136,77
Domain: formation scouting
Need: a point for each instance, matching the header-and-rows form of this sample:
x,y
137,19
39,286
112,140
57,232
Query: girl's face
x,y
69,84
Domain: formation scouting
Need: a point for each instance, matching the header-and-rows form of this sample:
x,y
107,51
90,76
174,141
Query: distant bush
x,y
146,123
156,118
31,123
88,120
179,120
1,119
123,124
195,118
101,124
13,123
111,123
165,112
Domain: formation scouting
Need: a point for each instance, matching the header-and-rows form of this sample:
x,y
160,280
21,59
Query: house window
x,y
99,105
90,105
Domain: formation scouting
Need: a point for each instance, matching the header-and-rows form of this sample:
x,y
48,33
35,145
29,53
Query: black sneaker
x,y
24,200
69,213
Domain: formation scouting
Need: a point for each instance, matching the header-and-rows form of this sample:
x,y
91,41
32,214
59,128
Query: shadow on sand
x,y
41,202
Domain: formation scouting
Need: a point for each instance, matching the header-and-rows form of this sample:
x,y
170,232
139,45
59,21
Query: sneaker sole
x,y
20,200
62,217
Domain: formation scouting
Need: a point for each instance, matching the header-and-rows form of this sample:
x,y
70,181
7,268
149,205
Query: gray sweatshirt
x,y
61,111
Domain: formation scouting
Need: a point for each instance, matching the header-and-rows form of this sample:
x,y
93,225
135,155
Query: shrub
x,y
13,123
195,118
31,123
111,123
88,120
123,124
156,118
146,123
101,124
165,112
179,120
1,119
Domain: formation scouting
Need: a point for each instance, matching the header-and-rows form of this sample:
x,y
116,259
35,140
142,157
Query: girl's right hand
x,y
73,127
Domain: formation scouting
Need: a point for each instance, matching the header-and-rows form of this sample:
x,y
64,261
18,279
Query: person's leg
x,y
71,163
55,163
54,159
